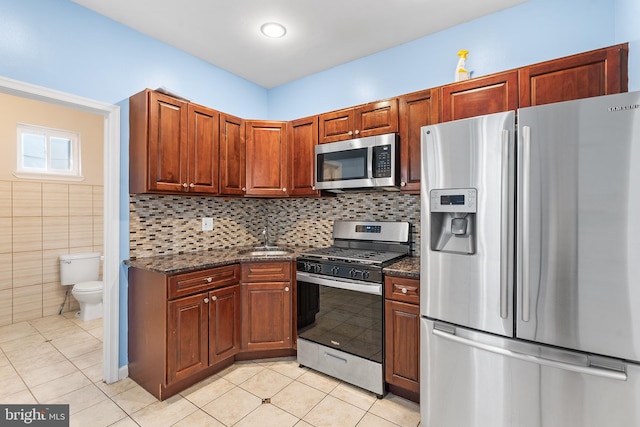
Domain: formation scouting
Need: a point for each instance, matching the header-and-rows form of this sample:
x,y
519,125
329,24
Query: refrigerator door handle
x,y
524,166
504,232
590,370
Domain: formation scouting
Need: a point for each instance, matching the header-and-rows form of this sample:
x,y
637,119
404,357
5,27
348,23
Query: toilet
x,y
82,270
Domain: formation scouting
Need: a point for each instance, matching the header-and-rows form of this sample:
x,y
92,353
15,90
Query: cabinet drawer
x,y
197,281
266,271
402,289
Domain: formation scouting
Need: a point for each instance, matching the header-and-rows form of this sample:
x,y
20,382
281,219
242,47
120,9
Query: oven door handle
x,y
369,288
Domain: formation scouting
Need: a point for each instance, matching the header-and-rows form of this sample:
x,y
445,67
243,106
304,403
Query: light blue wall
x,y
535,31
60,45
63,46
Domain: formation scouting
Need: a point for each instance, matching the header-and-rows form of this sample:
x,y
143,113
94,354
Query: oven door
x,y
348,314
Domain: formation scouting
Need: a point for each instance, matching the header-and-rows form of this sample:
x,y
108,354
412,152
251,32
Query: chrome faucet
x,y
265,236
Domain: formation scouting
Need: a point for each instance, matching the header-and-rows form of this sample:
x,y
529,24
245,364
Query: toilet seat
x,y
88,287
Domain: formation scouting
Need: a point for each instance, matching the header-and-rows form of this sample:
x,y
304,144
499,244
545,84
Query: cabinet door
x,y
203,150
302,138
594,73
266,315
232,156
376,118
402,345
224,323
482,95
416,110
266,158
167,144
337,125
187,344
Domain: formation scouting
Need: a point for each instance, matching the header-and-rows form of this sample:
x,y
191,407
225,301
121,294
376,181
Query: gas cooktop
x,y
364,256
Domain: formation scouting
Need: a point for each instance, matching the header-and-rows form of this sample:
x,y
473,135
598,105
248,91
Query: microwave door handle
x,y
370,163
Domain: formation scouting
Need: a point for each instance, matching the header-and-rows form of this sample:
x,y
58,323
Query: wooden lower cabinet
x,y
402,336
187,341
175,338
224,323
204,329
186,327
266,306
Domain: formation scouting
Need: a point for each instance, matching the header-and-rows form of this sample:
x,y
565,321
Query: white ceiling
x,y
320,33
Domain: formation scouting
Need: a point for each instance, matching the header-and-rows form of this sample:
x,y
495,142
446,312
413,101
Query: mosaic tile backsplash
x,y
161,225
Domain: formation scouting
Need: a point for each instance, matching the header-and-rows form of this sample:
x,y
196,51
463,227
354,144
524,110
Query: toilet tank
x,y
81,267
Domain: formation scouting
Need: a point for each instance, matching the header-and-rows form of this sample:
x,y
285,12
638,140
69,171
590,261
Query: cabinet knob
x,y
209,279
404,290
214,298
284,190
313,187
244,188
184,184
403,184
206,300
286,289
192,185
350,133
357,131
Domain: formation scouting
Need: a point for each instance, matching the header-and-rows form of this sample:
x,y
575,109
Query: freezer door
x,y
467,222
473,379
579,225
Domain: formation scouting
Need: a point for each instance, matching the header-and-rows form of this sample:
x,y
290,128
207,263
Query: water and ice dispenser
x,y
453,219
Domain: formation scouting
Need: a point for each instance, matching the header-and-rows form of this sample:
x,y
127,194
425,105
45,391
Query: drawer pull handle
x,y
209,279
404,290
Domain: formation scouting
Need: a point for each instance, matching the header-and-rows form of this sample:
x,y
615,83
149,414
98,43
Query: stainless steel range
x,y
340,301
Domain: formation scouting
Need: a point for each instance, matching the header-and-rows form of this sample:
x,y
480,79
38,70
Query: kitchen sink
x,y
266,251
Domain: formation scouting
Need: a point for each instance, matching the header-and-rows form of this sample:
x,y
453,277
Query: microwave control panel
x,y
382,161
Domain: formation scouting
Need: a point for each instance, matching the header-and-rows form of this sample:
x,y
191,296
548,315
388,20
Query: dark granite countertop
x,y
185,262
181,263
406,267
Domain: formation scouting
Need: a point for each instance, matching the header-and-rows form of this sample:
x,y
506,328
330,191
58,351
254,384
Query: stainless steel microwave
x,y
358,164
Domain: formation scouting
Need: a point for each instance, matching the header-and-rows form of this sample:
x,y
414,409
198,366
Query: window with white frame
x,y
47,152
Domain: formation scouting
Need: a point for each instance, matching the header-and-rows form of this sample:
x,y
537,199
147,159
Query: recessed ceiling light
x,y
273,30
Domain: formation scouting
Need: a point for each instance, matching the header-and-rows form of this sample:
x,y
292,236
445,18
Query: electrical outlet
x,y
207,224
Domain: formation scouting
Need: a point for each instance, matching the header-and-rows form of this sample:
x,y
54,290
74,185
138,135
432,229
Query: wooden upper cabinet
x,y
375,118
157,143
416,110
203,149
302,138
266,158
173,146
594,73
232,155
483,95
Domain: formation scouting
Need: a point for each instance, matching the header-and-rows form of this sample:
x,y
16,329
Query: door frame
x,y
111,182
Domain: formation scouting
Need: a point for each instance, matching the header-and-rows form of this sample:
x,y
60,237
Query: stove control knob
x,y
335,270
365,274
317,268
307,266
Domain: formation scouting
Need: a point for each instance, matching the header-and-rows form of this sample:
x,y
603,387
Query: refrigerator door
x,y
473,379
467,222
579,225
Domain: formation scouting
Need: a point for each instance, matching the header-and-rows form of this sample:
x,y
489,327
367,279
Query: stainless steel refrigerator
x,y
530,269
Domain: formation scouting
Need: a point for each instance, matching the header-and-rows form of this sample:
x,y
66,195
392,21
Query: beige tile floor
x,y
58,359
